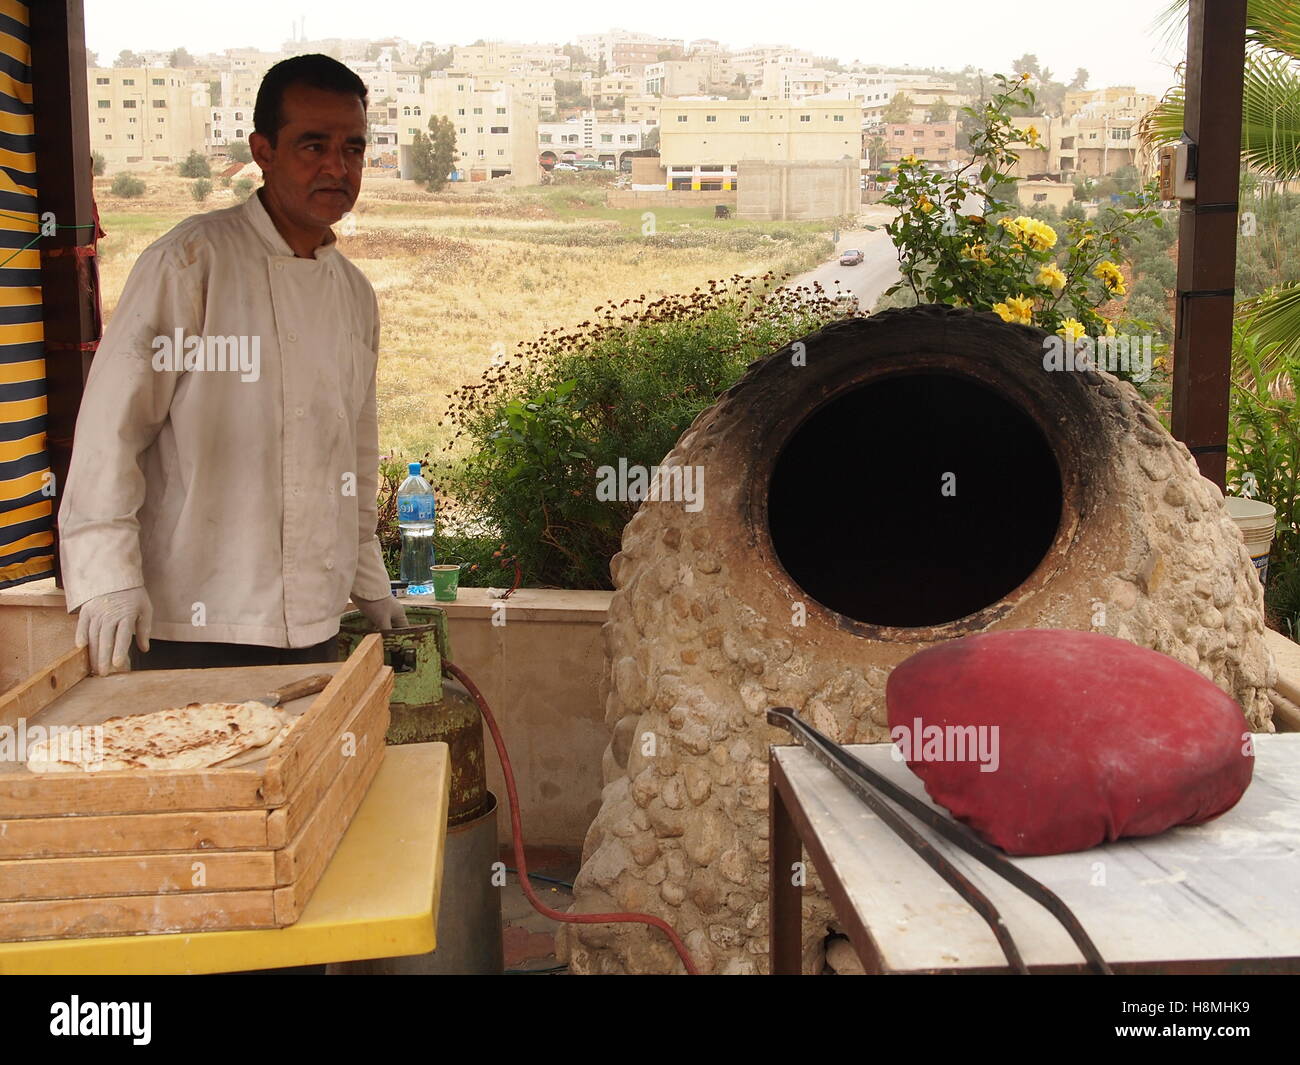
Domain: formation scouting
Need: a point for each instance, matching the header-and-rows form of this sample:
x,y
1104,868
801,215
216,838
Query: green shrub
x,y
239,152
201,189
243,188
622,386
128,186
195,166
1158,267
98,162
1264,456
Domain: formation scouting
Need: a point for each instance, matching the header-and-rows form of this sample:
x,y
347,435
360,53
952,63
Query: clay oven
x,y
889,483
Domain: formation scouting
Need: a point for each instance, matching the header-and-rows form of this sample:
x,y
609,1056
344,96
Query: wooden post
x,y
63,174
1207,233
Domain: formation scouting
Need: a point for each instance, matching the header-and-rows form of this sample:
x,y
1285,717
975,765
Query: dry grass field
x,y
466,274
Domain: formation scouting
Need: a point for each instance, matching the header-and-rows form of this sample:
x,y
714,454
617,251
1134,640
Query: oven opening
x,y
914,500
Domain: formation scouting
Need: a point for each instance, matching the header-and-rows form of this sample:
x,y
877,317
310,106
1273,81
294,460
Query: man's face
x,y
314,169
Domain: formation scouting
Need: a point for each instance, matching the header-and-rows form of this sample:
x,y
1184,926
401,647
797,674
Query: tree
x,y
875,152
940,110
92,58
201,189
98,163
1026,64
128,58
651,139
433,157
239,152
195,166
1080,80
243,188
214,93
128,186
180,59
899,109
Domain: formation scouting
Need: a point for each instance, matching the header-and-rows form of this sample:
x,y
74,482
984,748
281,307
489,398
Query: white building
x,y
584,137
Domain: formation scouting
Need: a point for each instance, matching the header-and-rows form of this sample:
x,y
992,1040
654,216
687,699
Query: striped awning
x,y
26,496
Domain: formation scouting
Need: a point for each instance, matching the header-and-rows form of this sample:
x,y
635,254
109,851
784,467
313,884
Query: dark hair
x,y
317,71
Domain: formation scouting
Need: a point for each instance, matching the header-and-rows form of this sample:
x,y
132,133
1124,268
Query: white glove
x,y
107,623
383,614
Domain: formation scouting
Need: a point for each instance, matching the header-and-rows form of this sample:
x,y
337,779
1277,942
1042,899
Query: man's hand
x,y
107,623
383,614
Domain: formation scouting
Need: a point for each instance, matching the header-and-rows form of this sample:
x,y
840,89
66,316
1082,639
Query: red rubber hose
x,y
517,832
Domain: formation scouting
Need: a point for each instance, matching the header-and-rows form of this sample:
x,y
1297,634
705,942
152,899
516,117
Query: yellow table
x,y
377,899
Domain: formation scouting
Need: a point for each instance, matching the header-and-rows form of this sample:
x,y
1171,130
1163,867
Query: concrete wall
x,y
539,671
779,191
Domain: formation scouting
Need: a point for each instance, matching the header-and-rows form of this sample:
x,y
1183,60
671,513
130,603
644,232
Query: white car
x,y
564,166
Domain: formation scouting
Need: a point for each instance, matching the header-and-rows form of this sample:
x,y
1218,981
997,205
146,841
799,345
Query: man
x,y
222,489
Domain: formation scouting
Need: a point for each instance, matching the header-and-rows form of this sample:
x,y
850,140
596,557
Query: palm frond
x,y
1273,319
1270,116
1271,25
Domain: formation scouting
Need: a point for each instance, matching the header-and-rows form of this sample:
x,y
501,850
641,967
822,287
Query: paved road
x,y
867,280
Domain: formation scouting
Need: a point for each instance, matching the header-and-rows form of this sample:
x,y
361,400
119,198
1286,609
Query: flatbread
x,y
185,737
257,754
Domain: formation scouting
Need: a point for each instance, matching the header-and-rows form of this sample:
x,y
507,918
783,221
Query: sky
x,y
1117,41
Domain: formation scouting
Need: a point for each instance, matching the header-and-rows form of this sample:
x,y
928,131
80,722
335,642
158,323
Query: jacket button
x,y
298,412
279,266
329,563
291,337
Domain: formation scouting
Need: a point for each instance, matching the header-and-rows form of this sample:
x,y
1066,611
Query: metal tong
x,y
869,785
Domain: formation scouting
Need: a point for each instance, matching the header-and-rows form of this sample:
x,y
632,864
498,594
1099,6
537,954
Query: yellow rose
x,y
978,252
1110,276
1030,231
1071,329
1031,135
1049,274
1017,309
923,203
909,159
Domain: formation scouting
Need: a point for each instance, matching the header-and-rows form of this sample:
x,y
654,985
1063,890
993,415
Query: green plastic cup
x,y
446,579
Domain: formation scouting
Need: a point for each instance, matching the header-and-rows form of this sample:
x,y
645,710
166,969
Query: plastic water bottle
x,y
415,514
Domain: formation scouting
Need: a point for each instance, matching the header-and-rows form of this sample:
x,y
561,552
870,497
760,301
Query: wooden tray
x,y
120,852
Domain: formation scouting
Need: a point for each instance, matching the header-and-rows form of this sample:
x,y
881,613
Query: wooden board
x,y
332,808
259,785
39,690
135,874
371,716
53,837
186,912
325,834
329,711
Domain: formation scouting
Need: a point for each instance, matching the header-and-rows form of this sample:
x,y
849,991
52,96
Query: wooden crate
x,y
102,853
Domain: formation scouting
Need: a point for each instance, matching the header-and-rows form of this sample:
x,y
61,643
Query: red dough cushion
x,y
1049,740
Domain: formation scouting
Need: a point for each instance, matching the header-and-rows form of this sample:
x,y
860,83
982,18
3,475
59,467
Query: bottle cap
x,y
413,468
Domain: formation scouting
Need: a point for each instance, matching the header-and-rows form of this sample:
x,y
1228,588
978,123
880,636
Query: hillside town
x,y
773,130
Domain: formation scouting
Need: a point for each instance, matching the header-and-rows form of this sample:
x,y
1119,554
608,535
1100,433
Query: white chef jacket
x,y
246,508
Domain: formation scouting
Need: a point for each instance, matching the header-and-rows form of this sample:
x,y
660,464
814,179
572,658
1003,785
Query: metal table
x,y
378,896
1219,897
